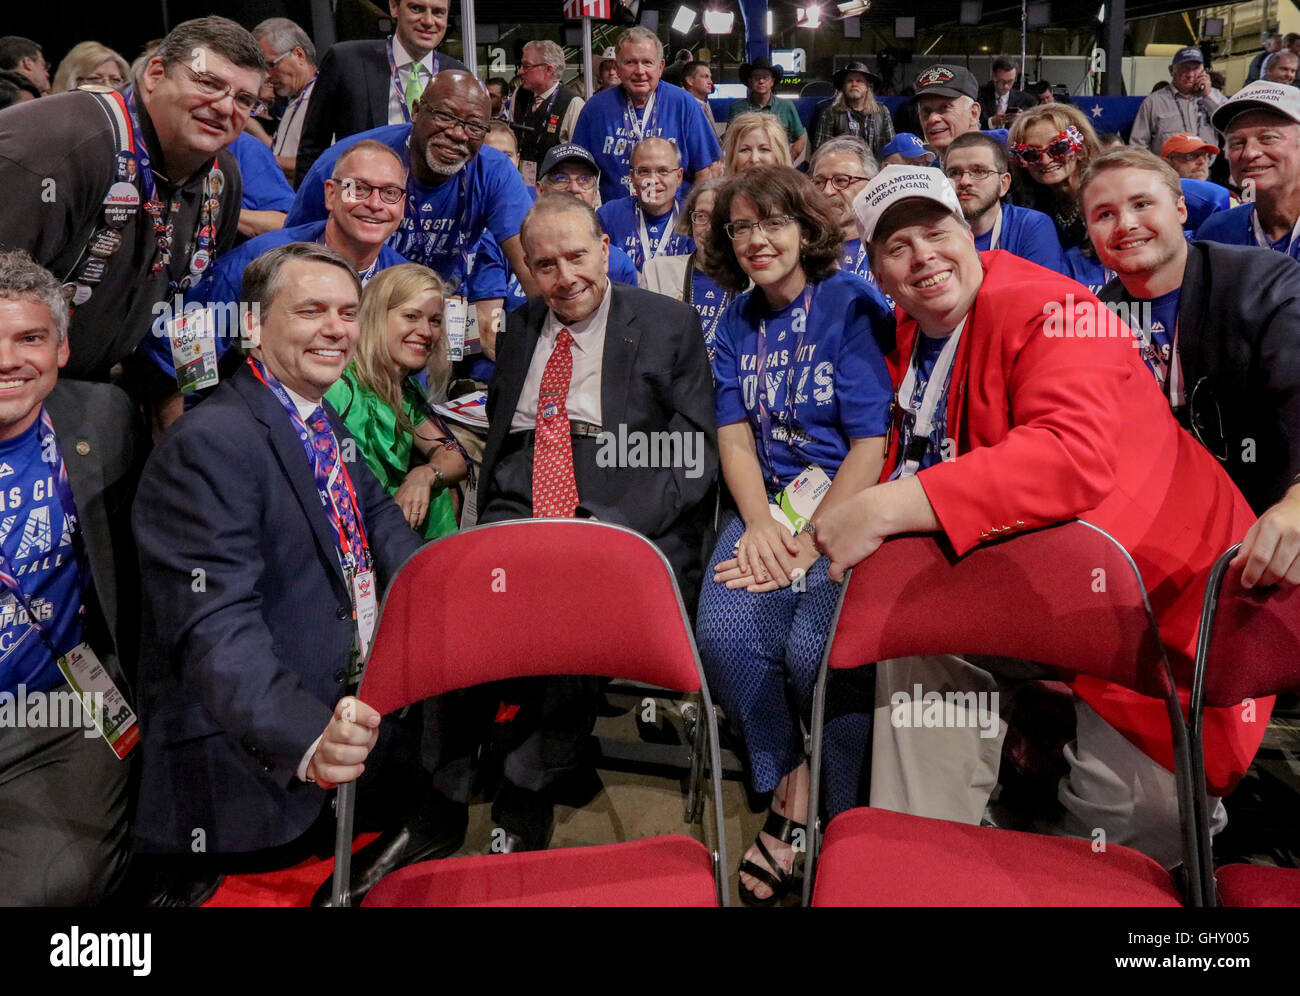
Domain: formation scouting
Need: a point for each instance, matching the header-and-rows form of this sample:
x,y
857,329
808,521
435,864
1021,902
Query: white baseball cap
x,y
1260,95
899,183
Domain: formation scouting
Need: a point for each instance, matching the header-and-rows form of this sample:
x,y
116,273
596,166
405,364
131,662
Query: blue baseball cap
x,y
908,146
1189,54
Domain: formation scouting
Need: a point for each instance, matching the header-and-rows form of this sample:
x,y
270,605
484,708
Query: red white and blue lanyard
x,y
354,551
49,446
764,415
462,225
392,72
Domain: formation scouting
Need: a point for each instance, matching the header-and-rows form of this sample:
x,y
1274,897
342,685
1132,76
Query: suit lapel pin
x,y
83,447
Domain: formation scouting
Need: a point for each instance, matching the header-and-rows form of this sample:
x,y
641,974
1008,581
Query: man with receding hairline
x,y
589,361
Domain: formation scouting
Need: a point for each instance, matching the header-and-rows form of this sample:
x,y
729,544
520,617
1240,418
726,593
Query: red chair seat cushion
x,y
670,870
875,857
1258,885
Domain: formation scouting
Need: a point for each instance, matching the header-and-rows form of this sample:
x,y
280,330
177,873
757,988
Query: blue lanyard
x,y
50,454
764,415
710,329
148,186
392,71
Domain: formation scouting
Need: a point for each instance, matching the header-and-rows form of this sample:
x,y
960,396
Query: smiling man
x,y
94,183
644,225
1261,126
456,188
589,356
615,120
256,616
947,104
374,82
1007,423
1225,319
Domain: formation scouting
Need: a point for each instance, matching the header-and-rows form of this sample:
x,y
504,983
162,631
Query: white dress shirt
x,y
405,62
583,403
289,133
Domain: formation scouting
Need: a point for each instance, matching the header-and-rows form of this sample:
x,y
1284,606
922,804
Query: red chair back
x,y
1254,643
529,597
1068,596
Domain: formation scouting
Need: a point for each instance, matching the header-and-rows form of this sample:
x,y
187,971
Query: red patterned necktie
x,y
555,492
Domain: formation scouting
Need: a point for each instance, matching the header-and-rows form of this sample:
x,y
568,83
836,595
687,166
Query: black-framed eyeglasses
x,y
557,181
841,181
742,231
475,130
525,66
977,173
359,190
214,88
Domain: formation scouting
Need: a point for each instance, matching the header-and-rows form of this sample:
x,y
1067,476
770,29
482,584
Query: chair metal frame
x,y
707,735
1191,881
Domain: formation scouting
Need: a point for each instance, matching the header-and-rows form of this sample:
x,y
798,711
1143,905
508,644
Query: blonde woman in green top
x,y
402,441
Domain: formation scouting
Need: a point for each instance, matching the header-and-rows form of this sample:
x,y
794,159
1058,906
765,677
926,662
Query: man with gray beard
x,y
456,188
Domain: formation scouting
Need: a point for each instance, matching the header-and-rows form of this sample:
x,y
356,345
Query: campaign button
x,y
121,204
106,243
94,272
216,182
199,261
83,447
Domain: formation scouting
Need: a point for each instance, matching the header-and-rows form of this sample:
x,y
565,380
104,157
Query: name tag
x,y
455,315
366,604
529,169
194,351
107,706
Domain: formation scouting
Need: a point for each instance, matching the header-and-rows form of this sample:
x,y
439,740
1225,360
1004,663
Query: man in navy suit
x,y
258,531
370,83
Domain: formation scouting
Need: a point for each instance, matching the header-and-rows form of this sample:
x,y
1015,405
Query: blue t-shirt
x,y
440,222
605,128
1236,228
1092,273
621,222
265,188
929,349
854,260
710,301
1028,234
223,288
1163,312
36,535
836,389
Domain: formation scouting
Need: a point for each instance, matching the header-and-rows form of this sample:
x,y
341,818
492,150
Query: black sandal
x,y
774,876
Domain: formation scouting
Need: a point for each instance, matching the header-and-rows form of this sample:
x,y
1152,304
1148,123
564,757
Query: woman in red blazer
x,y
1040,423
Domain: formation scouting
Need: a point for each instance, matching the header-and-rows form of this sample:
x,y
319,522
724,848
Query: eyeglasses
x,y
558,181
525,66
842,181
116,82
701,217
743,231
663,172
1061,147
214,88
475,130
359,190
977,173
278,59
1188,157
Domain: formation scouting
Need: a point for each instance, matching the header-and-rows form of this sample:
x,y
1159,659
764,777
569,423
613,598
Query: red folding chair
x,y
541,597
1033,597
1249,646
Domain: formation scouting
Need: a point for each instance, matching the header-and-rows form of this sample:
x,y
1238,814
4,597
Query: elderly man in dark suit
x,y
263,542
371,83
69,460
601,407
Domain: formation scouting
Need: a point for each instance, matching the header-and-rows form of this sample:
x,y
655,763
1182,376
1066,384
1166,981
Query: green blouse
x,y
388,452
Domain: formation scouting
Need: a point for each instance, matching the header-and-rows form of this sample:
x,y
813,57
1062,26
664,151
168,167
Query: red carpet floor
x,y
290,887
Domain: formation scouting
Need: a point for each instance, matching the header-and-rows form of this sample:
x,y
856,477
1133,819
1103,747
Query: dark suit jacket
x,y
655,377
989,102
351,95
247,628
100,420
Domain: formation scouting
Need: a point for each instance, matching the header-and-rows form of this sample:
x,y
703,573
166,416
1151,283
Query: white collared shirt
x,y
583,403
289,133
404,61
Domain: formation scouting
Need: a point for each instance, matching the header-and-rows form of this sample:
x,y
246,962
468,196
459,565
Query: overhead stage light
x,y
719,22
808,17
683,20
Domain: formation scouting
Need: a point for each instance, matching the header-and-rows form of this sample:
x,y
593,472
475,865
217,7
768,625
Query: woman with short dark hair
x,y
803,403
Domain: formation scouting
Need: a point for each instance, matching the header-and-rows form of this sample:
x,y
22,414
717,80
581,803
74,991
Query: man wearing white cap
x,y
1262,128
1007,421
1185,106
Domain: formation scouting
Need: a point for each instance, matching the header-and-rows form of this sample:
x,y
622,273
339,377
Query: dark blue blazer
x,y
247,622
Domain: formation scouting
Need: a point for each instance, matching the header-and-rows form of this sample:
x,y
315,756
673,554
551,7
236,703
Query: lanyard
x,y
855,126
352,559
50,454
413,219
997,230
401,91
1261,239
638,128
708,327
1171,378
291,112
764,414
935,388
648,249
